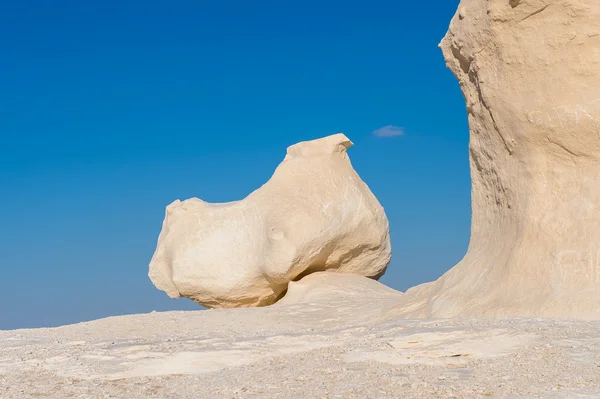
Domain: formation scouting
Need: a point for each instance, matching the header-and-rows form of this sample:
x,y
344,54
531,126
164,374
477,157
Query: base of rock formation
x,y
352,345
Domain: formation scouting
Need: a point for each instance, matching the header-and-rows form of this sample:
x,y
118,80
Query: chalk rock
x,y
530,73
342,291
314,214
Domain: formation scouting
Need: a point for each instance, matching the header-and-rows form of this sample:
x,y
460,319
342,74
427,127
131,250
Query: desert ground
x,y
321,341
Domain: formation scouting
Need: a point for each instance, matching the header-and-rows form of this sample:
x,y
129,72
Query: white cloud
x,y
389,131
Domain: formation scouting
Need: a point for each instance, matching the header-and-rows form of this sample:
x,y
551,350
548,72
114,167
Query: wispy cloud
x,y
389,131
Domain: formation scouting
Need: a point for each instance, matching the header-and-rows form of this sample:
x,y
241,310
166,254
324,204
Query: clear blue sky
x,y
110,110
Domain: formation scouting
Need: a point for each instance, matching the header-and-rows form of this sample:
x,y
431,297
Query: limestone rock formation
x,y
314,214
331,288
530,73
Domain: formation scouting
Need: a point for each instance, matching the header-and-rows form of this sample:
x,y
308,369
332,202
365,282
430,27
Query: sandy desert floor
x,y
336,337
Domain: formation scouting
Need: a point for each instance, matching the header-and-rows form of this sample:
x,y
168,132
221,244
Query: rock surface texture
x,y
314,214
530,73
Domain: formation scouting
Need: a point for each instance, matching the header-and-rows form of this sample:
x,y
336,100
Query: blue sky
x,y
111,110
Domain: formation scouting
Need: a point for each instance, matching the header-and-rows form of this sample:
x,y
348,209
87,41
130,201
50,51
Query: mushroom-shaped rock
x,y
314,214
530,73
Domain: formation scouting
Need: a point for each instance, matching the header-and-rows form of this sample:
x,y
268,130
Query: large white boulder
x,y
530,73
314,214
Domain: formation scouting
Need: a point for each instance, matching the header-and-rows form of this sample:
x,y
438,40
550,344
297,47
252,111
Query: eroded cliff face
x,y
530,74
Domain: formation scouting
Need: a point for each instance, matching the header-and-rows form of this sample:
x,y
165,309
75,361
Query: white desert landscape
x,y
334,336
290,272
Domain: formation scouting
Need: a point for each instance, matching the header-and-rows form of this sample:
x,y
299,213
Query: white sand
x,y
336,337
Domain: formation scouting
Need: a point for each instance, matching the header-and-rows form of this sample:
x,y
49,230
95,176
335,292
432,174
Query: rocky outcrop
x,y
530,74
314,214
